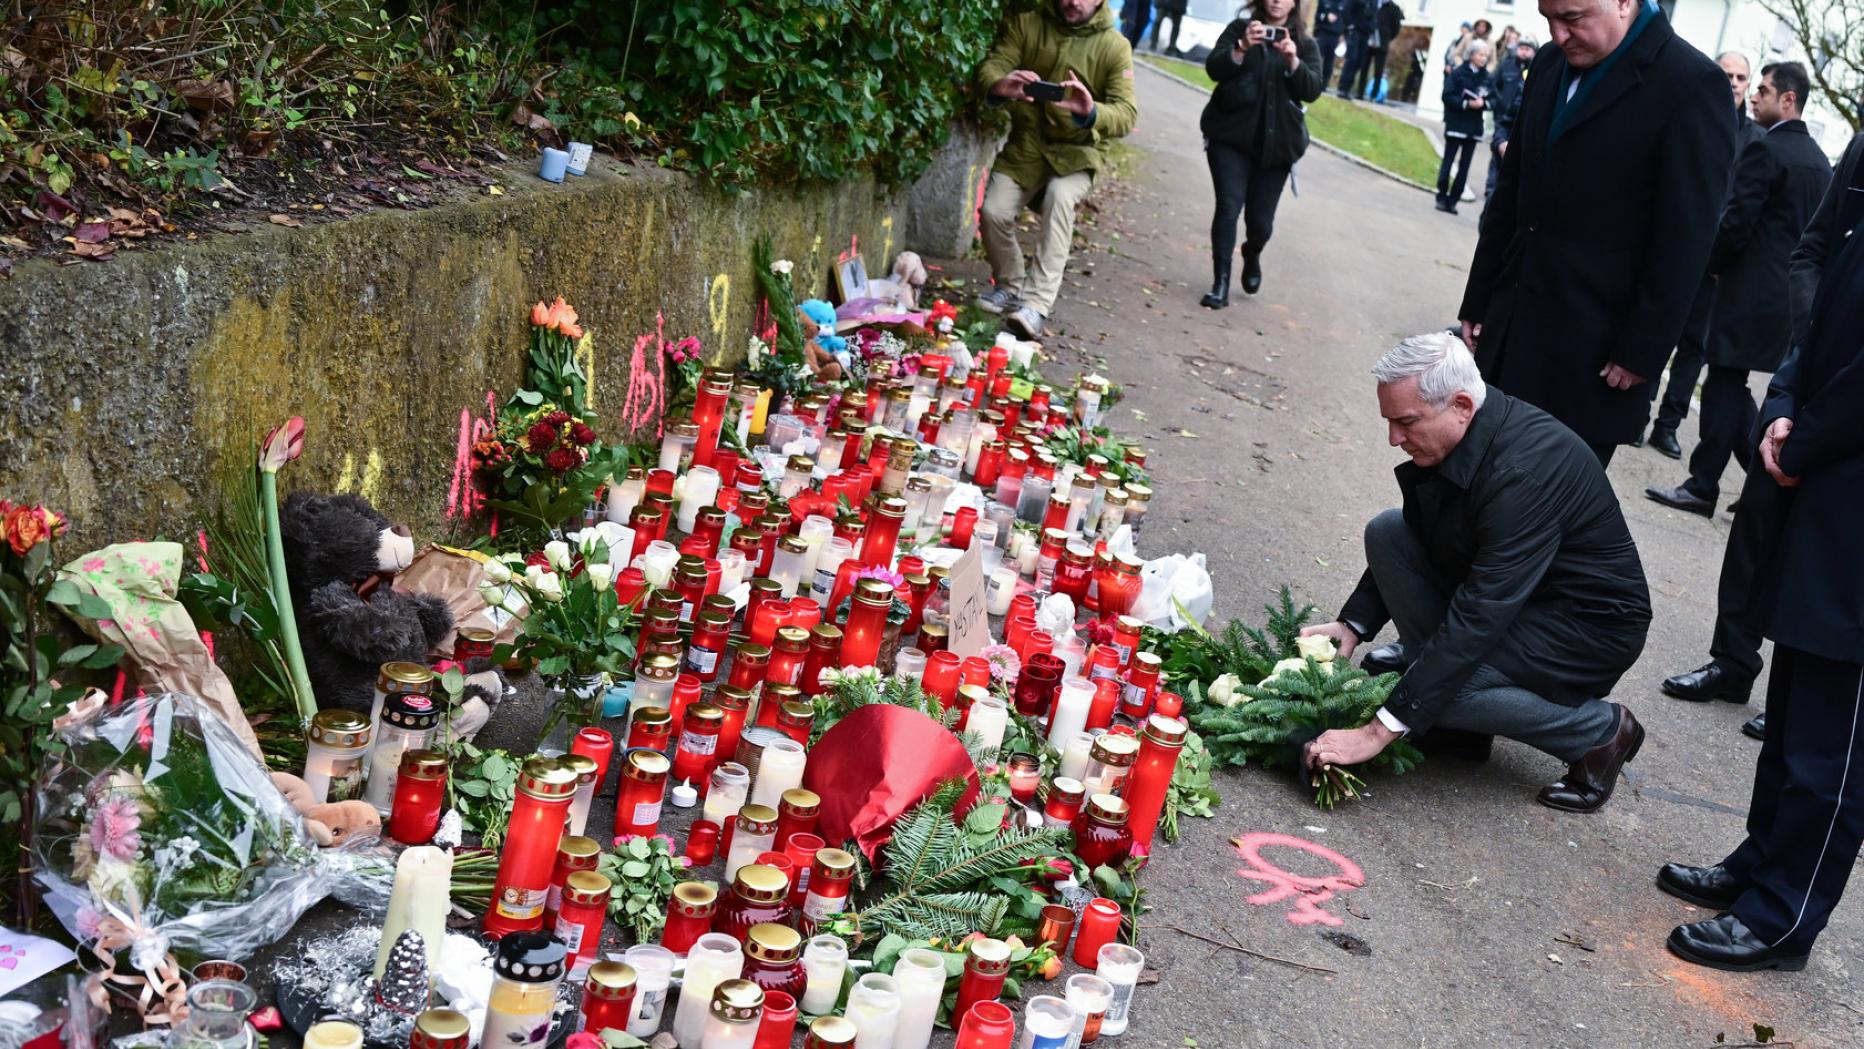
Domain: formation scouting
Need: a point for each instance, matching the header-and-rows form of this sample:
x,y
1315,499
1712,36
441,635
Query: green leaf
x,y
63,592
635,869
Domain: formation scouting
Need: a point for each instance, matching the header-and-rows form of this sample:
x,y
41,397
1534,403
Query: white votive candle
x,y
920,975
700,490
825,960
1077,695
418,901
714,958
779,769
874,1009
989,719
1074,754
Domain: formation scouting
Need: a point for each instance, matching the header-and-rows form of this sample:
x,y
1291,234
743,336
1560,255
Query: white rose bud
x,y
557,552
492,594
550,587
1295,663
1223,690
1319,646
532,575
601,576
497,572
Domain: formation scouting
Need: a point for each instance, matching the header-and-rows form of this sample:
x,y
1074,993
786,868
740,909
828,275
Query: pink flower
x,y
1004,663
885,575
114,828
89,920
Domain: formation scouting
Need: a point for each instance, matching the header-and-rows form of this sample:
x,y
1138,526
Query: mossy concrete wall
x,y
134,388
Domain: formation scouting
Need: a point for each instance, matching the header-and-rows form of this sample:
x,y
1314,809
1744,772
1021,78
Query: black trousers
x,y
1735,644
1357,45
1458,152
1685,362
1243,187
1137,14
1603,451
1369,74
1728,414
1328,44
1806,819
1177,19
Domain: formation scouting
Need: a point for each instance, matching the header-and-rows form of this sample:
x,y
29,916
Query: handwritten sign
x,y
970,622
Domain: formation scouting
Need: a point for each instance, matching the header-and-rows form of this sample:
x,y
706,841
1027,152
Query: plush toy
x,y
330,822
341,555
827,352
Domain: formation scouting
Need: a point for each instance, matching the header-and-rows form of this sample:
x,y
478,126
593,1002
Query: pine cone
x,y
404,986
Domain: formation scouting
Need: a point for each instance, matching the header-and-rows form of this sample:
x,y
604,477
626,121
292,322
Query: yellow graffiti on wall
x,y
886,244
585,359
369,484
718,304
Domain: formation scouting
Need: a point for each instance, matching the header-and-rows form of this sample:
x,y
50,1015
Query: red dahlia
x,y
582,434
541,436
557,418
560,459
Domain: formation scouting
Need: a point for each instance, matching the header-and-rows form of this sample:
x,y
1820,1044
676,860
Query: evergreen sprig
x,y
1261,726
1195,654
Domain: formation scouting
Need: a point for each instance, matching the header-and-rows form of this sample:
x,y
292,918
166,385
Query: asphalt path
x,y
1484,918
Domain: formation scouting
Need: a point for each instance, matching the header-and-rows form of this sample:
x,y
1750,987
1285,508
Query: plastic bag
x,y
158,831
1175,586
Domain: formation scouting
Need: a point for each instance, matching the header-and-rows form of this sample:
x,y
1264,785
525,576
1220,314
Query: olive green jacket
x,y
1044,140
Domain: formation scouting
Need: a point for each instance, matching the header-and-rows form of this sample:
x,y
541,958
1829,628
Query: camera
x,y
1273,33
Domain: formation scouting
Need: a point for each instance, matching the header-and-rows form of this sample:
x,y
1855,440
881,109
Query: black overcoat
x,y
1778,181
1549,588
1597,237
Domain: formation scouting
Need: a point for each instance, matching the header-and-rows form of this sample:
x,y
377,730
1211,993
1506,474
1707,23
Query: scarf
x,y
1566,109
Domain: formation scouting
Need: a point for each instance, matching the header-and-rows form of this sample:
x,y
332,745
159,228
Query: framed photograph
x,y
851,278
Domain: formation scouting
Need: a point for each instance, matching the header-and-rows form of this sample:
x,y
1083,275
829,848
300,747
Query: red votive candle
x,y
987,1025
539,811
702,842
1170,704
1106,700
1099,926
598,745
867,623
941,677
986,966
801,849
975,670
778,1027
798,811
698,747
962,524
608,998
783,862
686,691
804,613
689,914
650,727
420,793
630,584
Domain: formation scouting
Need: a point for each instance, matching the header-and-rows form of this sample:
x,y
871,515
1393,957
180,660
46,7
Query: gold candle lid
x,y
652,716
342,729
830,1032
1118,750
738,1001
695,895
792,639
834,863
1108,808
1166,731
439,1028
730,697
403,676
586,887
647,766
610,981
800,800
770,942
582,765
546,778
704,712
423,764
761,883
578,851
756,819
989,956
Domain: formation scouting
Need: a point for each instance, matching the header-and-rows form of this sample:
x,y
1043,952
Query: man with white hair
x,y
1513,582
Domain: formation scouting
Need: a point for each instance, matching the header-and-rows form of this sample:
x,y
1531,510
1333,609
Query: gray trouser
x,y
1418,598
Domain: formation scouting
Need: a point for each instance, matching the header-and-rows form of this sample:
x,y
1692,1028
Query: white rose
x,y
1318,646
1294,663
557,552
492,594
1223,691
497,572
782,266
601,576
533,573
550,587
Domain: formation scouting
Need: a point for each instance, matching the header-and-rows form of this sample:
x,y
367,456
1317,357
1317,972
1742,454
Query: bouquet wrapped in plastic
x,y
158,832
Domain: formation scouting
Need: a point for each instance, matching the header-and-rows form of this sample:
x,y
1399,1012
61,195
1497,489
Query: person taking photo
x,y
1254,128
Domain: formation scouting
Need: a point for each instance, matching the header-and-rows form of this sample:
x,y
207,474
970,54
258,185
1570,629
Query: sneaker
x,y
1024,321
998,300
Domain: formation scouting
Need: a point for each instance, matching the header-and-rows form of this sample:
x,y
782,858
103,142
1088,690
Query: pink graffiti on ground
x,y
1306,893
647,376
463,496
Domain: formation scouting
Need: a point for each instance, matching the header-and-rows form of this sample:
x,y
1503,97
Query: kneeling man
x,y
1509,573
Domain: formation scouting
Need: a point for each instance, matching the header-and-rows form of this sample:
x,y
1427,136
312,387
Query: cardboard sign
x,y
970,621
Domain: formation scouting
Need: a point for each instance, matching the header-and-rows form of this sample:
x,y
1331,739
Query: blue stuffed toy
x,y
823,316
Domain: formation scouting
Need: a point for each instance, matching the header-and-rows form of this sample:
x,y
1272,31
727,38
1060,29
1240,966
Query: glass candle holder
x,y
334,751
643,790
988,1025
653,974
420,794
689,915
1072,705
801,848
1063,803
701,840
867,623
777,1030
1101,836
753,832
1098,927
825,959
448,1029
217,1012
713,959
579,922
526,969
727,788
986,967
831,876
539,812
1090,995
699,743
773,958
1048,1023
1110,762
585,769
920,975
874,1009
780,771
608,997
1119,965
733,1015
575,852
909,664
830,1032
989,718
1056,926
1025,777
940,678
649,727
1160,743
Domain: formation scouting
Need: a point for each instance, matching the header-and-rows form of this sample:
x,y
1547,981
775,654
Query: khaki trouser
x,y
1004,200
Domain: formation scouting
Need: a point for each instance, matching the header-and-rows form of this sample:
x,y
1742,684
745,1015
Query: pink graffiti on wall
x,y
647,376
463,496
1307,893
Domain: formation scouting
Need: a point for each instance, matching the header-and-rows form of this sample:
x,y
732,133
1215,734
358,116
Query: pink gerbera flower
x,y
114,828
1004,663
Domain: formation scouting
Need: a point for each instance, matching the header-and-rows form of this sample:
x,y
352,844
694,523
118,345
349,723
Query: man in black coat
x,y
1329,26
1509,573
1600,227
1740,617
1361,23
1686,362
1806,817
1777,185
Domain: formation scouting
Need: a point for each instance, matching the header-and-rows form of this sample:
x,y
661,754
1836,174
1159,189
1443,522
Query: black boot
x,y
1219,294
1252,269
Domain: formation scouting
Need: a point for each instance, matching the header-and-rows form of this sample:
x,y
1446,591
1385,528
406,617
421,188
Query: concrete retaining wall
x,y
134,387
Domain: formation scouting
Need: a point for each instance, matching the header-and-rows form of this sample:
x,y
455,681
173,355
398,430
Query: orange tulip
x,y
540,315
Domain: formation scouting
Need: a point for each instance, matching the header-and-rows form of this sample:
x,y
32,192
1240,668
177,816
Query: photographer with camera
x,y
1067,75
1254,130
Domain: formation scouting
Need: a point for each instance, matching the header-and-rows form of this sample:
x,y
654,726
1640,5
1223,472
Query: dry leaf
x,y
92,232
94,252
286,220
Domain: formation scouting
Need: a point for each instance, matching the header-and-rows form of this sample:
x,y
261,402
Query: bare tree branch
x,y
1831,34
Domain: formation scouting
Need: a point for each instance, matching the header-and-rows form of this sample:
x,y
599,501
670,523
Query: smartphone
x,y
1273,33
1045,91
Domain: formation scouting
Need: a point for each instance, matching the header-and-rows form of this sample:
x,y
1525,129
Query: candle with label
x,y
714,959
538,815
526,968
653,974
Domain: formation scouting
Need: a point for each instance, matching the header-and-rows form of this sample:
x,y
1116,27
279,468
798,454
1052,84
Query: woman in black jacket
x,y
1254,130
1466,95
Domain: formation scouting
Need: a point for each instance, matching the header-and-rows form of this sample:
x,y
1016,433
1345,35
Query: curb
x,y
1335,150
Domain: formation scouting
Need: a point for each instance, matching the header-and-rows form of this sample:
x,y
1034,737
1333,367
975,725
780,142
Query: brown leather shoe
x,y
1588,782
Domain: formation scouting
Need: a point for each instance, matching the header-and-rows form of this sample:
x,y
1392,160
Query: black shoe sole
x,y
1751,734
1689,897
1210,303
1744,697
1698,509
1782,963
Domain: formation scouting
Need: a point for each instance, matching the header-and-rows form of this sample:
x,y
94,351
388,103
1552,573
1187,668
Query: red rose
x,y
25,528
540,436
560,459
582,434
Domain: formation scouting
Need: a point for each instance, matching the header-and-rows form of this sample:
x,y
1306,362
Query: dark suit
x,y
1329,26
1599,231
1686,363
1806,818
1361,23
1777,185
1545,585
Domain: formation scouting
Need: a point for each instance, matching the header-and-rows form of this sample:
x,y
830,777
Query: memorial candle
x,y
689,915
1072,707
539,811
920,974
1159,746
713,959
1099,926
643,789
874,1009
867,623
986,967
709,402
698,747
420,794
608,997
418,901
987,1025
653,971
526,968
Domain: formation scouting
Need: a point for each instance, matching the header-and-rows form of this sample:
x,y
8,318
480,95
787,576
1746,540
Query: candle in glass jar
x,y
653,973
777,1030
795,718
1090,995
1025,777
689,915
584,767
435,1029
420,794
698,747
1002,588
333,758
825,959
1048,1023
1109,763
526,968
830,878
874,1009
608,997
988,718
1063,803
1071,710
756,830
408,720
574,853
986,967
867,623
643,790
726,790
649,727
987,1025
736,1009
1099,926
579,923
1119,965
786,566
780,770
538,815
624,495
920,975
801,849
418,901
732,567
713,959
1159,746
